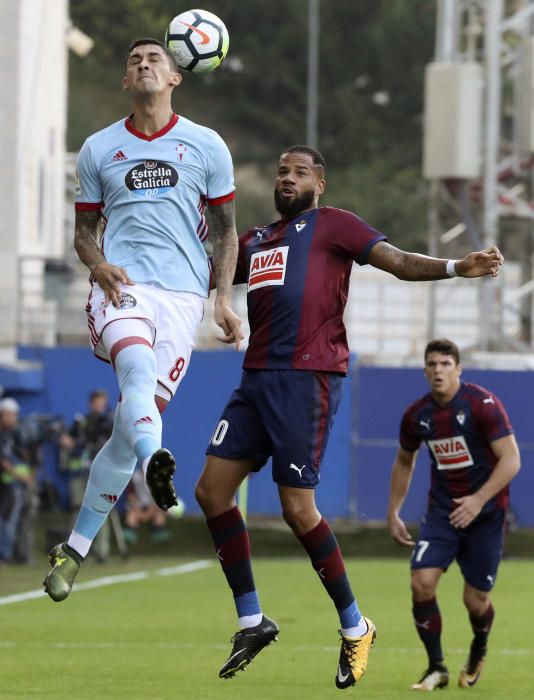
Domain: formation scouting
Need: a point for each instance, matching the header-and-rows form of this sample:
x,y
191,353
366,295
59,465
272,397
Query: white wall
x,y
33,74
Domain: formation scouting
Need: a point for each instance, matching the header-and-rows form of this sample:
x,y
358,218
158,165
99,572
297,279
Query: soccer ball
x,y
198,40
178,510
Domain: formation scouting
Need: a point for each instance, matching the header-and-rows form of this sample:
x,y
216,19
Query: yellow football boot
x,y
353,656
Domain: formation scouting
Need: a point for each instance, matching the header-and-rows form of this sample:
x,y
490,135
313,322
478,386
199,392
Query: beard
x,y
289,208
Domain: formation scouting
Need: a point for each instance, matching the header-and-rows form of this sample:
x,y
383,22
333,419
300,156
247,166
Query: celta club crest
x,y
181,149
127,301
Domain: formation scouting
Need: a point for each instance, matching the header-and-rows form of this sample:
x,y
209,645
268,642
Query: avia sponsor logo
x,y
127,301
268,268
151,178
451,453
109,497
145,419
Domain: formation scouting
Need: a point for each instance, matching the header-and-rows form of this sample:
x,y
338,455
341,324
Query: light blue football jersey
x,y
153,192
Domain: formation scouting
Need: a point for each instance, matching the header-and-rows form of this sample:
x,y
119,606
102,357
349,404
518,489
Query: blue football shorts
x,y
283,414
477,548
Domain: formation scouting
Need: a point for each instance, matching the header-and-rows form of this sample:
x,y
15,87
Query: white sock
x,y
358,631
79,543
250,620
144,465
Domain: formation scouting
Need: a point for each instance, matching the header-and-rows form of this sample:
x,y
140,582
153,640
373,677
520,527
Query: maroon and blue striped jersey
x,y
298,274
458,436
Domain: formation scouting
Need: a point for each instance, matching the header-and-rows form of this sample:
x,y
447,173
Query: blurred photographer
x,y
17,487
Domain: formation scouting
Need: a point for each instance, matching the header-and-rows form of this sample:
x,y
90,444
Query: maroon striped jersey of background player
x,y
458,436
298,274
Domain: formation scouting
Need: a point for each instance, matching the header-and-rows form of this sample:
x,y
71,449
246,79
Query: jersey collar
x,y
129,126
453,400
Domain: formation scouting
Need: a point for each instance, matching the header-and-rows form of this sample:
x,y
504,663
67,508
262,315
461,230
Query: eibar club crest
x,y
460,417
300,225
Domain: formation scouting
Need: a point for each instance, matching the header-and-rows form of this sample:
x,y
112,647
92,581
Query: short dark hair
x,y
445,347
317,158
149,40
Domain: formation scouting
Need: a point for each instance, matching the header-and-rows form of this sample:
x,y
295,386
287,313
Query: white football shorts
x,y
173,318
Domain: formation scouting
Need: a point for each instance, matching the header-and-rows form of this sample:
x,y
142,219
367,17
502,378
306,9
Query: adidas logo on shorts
x,y
146,419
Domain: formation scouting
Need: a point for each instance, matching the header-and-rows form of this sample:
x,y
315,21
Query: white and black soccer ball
x,y
198,40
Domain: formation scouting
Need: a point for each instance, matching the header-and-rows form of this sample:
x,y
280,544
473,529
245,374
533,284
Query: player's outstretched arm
x,y
508,464
401,477
413,267
109,277
225,246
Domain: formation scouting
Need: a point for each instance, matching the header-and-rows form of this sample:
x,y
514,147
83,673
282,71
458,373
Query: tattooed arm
x,y
109,277
221,220
86,238
414,267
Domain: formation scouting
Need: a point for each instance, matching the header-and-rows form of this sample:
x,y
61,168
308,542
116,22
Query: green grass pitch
x,y
164,637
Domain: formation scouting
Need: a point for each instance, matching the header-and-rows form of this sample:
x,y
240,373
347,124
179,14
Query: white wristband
x,y
450,269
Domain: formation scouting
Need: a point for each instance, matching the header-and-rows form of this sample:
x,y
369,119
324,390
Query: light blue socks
x,y
136,371
136,436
